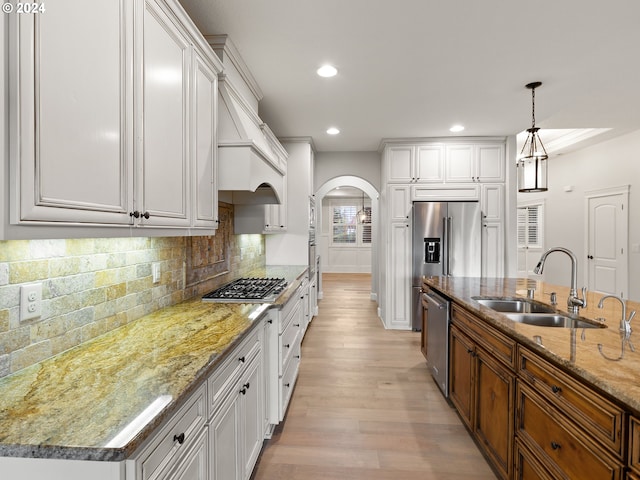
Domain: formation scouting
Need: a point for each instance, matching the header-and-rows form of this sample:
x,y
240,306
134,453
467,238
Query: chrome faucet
x,y
625,324
574,303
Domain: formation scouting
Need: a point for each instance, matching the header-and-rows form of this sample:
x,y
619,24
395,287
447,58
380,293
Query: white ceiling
x,y
413,68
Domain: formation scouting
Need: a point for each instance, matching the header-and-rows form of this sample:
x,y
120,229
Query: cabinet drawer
x,y
600,418
498,345
288,311
288,380
527,466
226,374
288,341
559,444
177,436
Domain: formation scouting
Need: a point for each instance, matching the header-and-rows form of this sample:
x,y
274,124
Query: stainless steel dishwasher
x,y
438,339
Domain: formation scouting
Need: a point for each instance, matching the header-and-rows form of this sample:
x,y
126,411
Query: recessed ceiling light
x,y
456,128
333,131
327,71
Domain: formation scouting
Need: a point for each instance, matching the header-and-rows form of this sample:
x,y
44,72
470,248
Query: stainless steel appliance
x,y
446,241
248,290
437,340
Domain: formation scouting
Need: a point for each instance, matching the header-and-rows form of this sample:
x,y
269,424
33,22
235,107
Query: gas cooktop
x,y
248,290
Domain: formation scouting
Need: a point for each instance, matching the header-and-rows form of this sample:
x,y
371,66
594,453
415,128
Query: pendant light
x,y
532,162
362,214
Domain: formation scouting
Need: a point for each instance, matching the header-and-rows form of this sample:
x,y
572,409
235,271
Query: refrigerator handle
x,y
445,248
449,238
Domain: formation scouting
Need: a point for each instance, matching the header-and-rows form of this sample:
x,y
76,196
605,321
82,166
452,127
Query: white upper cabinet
x,y
475,163
113,116
204,145
414,164
71,151
162,153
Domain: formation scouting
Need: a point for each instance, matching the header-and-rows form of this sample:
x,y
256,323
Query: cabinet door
x,y
492,202
429,164
252,415
493,420
461,351
71,99
224,434
400,276
275,217
162,156
399,203
460,166
204,144
490,163
400,167
492,249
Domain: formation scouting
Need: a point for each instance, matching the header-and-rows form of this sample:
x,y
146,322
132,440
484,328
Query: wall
x,y
608,164
91,286
366,165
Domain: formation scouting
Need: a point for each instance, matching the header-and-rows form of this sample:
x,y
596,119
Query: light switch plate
x,y
155,272
30,301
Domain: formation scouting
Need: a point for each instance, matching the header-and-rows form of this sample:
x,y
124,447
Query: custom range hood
x,y
251,161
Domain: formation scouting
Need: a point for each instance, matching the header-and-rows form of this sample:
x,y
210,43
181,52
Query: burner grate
x,y
248,289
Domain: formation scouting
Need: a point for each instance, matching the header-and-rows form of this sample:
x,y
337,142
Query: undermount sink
x,y
551,320
513,305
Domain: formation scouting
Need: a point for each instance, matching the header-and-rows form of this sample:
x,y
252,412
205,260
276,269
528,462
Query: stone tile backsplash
x,y
91,286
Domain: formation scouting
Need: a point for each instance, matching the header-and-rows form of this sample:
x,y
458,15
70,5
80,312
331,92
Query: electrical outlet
x,y
30,301
155,272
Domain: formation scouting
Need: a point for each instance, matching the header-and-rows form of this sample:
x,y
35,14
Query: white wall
x,y
612,163
366,165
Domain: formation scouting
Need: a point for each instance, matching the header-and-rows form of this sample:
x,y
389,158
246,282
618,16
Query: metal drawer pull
x,y
179,438
288,345
296,324
246,385
241,359
555,389
555,445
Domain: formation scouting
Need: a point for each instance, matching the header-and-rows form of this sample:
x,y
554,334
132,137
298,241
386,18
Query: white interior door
x,y
607,239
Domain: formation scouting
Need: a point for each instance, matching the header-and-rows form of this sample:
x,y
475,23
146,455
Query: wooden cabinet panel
x,y
559,444
527,466
461,373
497,344
634,445
493,423
601,418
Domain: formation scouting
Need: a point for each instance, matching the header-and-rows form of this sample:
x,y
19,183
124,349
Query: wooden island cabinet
x,y
530,418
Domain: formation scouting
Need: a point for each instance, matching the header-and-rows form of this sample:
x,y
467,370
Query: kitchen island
x,y
543,402
102,401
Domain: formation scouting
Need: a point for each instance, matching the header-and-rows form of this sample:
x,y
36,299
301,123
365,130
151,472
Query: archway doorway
x,y
371,192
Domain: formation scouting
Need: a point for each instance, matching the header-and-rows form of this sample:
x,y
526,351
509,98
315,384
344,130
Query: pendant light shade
x,y
532,162
362,214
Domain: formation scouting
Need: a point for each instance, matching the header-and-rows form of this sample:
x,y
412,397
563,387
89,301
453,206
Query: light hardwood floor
x,y
365,406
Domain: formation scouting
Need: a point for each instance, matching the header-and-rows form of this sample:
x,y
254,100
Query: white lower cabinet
x,y
236,429
283,355
172,445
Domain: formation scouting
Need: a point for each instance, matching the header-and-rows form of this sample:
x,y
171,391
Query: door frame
x,y
608,192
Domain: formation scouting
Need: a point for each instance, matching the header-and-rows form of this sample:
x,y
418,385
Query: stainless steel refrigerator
x,y
446,242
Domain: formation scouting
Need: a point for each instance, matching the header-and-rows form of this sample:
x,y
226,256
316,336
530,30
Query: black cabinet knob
x,y
555,389
555,446
179,438
241,359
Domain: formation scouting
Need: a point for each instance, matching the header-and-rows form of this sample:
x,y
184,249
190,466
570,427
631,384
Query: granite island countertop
x,y
603,357
73,405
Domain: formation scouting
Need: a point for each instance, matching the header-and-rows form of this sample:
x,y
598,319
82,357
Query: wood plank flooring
x,y
365,406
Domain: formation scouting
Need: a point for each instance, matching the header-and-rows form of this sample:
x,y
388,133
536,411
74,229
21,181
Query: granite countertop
x,y
603,357
73,405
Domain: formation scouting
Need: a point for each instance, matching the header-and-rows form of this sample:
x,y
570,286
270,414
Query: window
x,y
530,226
345,228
